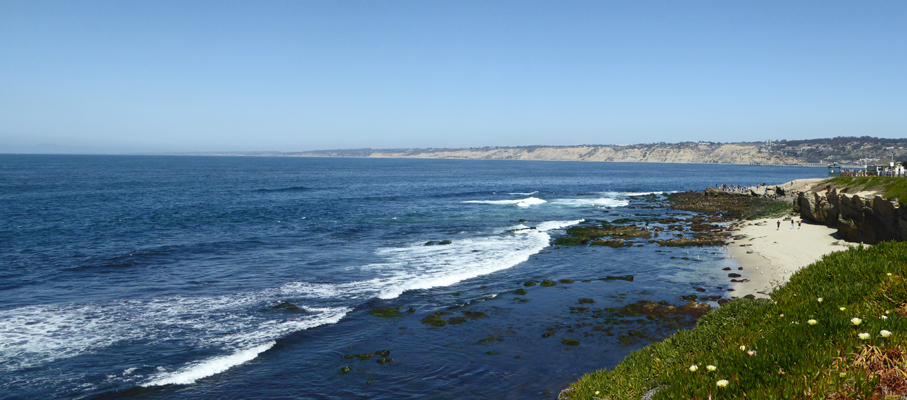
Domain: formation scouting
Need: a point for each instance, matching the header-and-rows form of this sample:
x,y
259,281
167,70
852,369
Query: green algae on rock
x,y
570,342
548,283
435,319
389,312
286,306
520,291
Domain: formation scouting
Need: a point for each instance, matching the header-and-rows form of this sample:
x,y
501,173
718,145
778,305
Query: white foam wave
x,y
523,194
598,202
34,335
192,373
425,267
529,201
648,193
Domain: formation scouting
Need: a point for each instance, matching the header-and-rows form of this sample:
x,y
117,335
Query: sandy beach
x,y
770,255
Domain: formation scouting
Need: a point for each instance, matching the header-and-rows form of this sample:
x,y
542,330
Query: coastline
x,y
770,255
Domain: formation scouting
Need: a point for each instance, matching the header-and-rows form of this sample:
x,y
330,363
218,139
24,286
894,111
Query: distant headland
x,y
814,152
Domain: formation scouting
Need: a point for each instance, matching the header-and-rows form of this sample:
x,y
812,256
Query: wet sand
x,y
769,255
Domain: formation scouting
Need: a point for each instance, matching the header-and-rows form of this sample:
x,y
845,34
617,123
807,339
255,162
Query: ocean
x,y
162,277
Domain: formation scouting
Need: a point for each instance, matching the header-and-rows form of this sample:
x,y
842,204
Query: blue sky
x,y
307,75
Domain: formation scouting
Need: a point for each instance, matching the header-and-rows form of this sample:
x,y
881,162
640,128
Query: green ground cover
x,y
837,330
893,188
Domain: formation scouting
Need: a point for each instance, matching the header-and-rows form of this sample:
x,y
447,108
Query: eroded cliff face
x,y
859,218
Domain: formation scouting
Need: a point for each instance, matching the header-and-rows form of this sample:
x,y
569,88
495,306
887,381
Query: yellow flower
x,y
884,333
864,336
812,322
889,274
596,392
843,374
711,368
693,368
721,383
782,315
856,321
842,308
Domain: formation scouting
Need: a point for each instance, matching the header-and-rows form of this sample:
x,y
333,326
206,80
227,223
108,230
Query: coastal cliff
x,y
860,217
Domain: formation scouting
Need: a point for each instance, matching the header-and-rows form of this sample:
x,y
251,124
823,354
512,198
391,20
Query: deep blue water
x,y
155,277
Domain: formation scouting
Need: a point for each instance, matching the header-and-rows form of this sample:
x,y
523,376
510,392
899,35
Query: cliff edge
x,y
860,216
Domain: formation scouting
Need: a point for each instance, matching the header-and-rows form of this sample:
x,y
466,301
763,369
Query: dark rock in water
x,y
383,353
577,309
491,353
726,269
714,297
739,268
456,320
444,242
474,314
529,283
749,297
389,312
411,310
547,283
435,319
628,278
430,243
700,289
456,294
286,306
569,241
733,275
383,360
361,357
547,334
570,342
345,369
586,301
689,297
520,291
691,308
565,280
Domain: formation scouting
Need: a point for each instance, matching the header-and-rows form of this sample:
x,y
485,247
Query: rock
x,y
568,281
389,312
345,369
474,314
456,320
548,283
383,360
383,353
858,219
286,306
435,319
733,275
586,301
520,291
628,278
570,342
529,283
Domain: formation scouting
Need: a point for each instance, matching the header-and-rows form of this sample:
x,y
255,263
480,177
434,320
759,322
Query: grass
x,y
790,358
892,188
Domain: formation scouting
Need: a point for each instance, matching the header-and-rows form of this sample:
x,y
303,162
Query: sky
x,y
190,76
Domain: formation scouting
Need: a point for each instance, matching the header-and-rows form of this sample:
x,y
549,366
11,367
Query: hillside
x,y
843,150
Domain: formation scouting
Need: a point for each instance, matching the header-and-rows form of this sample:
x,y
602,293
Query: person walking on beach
x,y
779,224
792,223
799,224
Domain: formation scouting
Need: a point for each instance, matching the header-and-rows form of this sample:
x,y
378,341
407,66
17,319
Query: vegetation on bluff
x,y
837,330
892,188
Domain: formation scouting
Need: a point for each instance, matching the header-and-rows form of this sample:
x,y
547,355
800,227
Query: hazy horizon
x,y
167,76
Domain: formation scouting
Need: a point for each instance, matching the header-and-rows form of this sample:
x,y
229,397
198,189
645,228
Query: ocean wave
x,y
523,194
648,193
597,202
192,373
529,201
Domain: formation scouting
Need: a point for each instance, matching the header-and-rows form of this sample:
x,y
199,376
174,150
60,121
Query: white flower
x,y
864,336
889,274
856,321
884,317
812,322
711,368
742,348
693,368
751,353
819,299
884,333
721,383
596,392
782,315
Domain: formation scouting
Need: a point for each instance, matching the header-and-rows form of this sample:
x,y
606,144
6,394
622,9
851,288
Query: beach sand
x,y
769,256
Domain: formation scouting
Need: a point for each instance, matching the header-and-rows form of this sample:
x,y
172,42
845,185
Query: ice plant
x,y
812,322
751,353
711,368
856,321
864,336
721,383
842,308
843,374
742,348
819,299
884,317
693,368
884,333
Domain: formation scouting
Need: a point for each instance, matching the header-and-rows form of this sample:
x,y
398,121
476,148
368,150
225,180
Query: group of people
x,y
798,223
